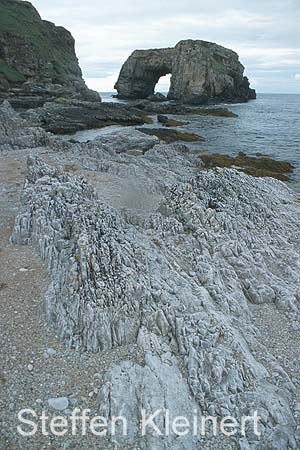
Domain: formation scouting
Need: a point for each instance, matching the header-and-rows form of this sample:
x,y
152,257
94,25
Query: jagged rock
x,y
17,133
175,279
69,116
37,59
201,72
127,140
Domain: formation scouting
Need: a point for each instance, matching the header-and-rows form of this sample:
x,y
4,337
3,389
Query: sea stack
x,y
202,72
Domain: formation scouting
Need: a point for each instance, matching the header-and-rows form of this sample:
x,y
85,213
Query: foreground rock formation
x,y
201,71
156,255
37,59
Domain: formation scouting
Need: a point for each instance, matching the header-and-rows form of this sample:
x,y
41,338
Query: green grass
x,y
19,20
10,73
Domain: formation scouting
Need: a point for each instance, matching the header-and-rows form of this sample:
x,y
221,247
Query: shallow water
x,y
269,125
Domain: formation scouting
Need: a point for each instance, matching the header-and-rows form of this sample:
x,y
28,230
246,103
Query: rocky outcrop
x,y
37,59
152,252
68,116
201,71
17,133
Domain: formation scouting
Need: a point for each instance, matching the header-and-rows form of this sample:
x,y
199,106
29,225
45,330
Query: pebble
x,y
49,352
59,403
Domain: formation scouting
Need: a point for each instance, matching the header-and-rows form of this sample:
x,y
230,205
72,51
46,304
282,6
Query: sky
x,y
265,34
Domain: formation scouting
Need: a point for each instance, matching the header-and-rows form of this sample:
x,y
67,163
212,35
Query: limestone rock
x,y
127,140
201,72
175,280
17,133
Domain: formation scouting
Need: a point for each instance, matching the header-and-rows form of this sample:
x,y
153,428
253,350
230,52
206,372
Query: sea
x,y
269,125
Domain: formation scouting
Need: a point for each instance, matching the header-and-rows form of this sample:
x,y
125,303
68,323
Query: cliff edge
x,y
38,62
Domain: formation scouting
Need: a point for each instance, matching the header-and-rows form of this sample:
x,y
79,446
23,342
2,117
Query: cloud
x,y
265,33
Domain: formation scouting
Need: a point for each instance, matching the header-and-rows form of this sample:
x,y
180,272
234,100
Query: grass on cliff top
x,y
20,19
221,112
262,166
169,136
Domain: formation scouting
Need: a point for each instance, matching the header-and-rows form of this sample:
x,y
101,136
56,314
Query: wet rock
x,y
261,166
166,121
157,97
168,136
69,116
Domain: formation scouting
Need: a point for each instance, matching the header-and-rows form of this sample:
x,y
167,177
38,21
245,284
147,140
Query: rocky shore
x,y
138,275
158,272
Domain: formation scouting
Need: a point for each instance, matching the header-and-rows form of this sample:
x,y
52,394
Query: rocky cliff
x,y
37,59
201,72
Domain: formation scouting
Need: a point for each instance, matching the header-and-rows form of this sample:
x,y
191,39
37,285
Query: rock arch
x,y
142,70
201,72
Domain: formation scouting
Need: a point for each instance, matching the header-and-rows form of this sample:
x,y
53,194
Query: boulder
x,y
202,72
127,140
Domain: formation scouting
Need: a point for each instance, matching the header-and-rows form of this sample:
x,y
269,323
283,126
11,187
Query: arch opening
x,y
163,84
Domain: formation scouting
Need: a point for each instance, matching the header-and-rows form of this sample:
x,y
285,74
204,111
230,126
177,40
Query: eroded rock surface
x,y
175,274
201,72
17,133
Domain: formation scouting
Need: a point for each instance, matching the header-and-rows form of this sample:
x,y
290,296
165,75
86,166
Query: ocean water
x,y
269,125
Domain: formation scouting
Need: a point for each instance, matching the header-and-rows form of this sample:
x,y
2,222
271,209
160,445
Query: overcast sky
x,y
265,33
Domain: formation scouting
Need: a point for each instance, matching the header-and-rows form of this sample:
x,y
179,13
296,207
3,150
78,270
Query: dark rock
x,y
157,97
170,122
37,59
258,167
171,135
66,117
201,72
178,108
221,112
